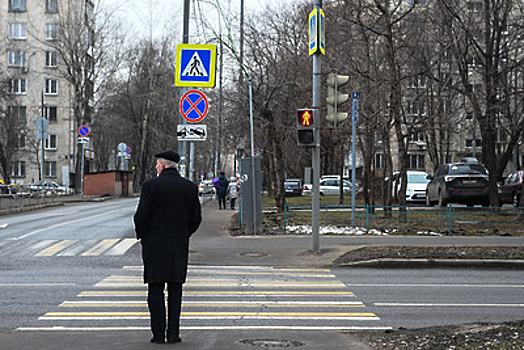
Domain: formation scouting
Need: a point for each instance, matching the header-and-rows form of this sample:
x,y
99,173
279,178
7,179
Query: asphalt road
x,y
78,268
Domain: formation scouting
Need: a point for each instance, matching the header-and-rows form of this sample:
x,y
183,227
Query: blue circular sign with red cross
x,y
83,130
194,106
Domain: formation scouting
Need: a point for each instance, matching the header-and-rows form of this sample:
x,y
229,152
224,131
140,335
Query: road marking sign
x,y
194,106
188,132
195,65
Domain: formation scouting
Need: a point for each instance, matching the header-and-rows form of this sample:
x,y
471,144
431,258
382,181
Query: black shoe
x,y
156,340
174,340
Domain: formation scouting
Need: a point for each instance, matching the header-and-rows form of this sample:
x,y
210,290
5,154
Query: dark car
x,y
293,187
511,187
464,183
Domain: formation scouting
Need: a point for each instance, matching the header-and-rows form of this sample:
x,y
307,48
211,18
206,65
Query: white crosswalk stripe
x,y
231,297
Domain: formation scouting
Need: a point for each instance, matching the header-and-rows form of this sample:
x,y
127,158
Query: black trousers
x,y
222,202
157,309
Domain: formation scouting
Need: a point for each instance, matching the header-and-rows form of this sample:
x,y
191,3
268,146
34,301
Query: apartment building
x,y
33,56
441,102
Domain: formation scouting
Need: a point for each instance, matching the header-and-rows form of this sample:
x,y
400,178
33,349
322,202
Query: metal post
x,y
182,147
253,167
315,152
354,119
191,162
43,150
82,171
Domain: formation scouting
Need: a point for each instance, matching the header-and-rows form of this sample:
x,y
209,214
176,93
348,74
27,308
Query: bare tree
x,y
486,38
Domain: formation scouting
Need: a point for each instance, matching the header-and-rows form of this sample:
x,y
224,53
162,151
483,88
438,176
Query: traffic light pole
x,y
315,152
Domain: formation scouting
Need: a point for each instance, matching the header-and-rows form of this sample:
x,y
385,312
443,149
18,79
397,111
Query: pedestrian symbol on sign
x,y
195,65
195,68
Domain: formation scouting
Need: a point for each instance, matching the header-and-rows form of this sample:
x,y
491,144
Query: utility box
x,y
248,207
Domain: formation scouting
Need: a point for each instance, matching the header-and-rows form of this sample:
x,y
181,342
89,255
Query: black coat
x,y
168,214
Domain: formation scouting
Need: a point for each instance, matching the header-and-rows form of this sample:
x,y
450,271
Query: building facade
x,y
35,41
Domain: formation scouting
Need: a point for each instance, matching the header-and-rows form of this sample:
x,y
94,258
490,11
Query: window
x,y
469,143
418,81
17,58
379,161
18,169
417,2
51,31
18,113
470,116
51,87
416,161
18,86
416,137
51,113
417,107
52,6
51,59
50,169
17,5
21,141
474,6
17,31
51,142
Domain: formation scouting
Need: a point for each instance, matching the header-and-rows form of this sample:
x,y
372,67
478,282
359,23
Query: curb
x,y
516,264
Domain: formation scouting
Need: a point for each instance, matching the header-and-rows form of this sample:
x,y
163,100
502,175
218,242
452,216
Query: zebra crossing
x,y
68,247
221,298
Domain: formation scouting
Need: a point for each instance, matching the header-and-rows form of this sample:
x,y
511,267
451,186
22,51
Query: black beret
x,y
169,155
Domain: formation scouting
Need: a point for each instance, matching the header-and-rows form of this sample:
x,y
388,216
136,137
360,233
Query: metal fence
x,y
416,219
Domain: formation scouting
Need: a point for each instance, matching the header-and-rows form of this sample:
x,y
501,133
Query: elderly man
x,y
168,213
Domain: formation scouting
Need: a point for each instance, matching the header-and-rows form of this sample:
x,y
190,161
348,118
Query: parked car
x,y
293,187
331,186
511,187
415,187
206,187
49,186
464,183
8,189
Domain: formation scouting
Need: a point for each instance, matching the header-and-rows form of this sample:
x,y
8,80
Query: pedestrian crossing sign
x,y
195,65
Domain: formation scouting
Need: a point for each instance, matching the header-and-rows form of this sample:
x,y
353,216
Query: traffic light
x,y
334,99
306,128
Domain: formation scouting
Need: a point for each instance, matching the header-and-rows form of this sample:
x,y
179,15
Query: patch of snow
x,y
334,230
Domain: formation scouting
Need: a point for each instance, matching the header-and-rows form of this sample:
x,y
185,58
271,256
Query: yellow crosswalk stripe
x,y
100,247
55,248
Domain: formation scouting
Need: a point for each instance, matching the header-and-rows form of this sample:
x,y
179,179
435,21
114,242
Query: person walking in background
x,y
223,184
168,213
233,192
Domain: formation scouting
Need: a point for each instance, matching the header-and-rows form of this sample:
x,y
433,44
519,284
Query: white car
x,y
416,185
49,186
206,187
331,186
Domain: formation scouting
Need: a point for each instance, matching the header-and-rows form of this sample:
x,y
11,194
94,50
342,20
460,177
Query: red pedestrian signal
x,y
306,128
305,117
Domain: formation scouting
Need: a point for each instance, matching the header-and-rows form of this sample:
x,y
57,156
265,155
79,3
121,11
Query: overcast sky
x,y
164,16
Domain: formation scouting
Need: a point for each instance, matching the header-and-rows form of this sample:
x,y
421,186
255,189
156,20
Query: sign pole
x,y
82,172
42,129
315,152
354,119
